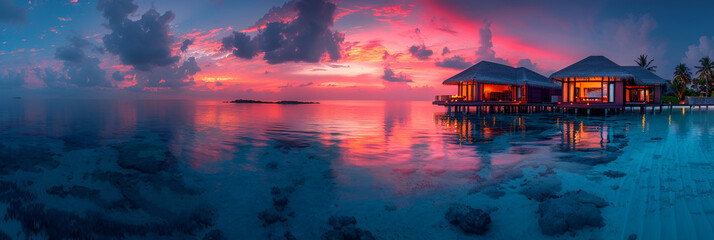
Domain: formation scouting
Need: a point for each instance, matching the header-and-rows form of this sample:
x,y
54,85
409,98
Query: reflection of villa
x,y
492,82
597,82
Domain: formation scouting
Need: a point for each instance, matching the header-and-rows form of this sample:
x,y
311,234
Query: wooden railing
x,y
449,98
442,98
588,99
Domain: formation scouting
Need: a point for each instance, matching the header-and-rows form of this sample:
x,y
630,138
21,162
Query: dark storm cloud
x,y
79,69
526,63
13,79
420,52
118,76
305,39
442,24
445,51
51,78
185,44
86,73
455,62
277,14
293,85
173,77
10,13
144,43
485,51
71,54
244,47
74,52
390,76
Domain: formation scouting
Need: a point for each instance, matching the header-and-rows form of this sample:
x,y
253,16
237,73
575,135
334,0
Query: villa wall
x,y
620,92
700,100
658,94
541,95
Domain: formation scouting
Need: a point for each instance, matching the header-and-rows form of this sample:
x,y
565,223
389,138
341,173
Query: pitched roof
x,y
599,66
642,76
494,73
592,66
528,77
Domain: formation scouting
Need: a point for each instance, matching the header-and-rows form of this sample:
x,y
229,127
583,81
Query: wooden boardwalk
x,y
517,107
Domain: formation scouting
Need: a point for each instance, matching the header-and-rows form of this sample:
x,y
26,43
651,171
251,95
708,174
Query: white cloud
x,y
696,52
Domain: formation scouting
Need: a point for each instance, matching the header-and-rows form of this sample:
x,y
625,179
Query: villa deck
x,y
475,104
478,107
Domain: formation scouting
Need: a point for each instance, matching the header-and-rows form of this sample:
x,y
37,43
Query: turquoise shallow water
x,y
161,169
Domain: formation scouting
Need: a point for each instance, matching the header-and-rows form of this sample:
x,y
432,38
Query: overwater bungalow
x,y
598,82
488,82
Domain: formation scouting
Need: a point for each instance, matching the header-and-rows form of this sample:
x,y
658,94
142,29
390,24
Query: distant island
x,y
275,102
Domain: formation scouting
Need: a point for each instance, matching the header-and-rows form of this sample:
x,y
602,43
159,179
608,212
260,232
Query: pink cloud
x,y
396,10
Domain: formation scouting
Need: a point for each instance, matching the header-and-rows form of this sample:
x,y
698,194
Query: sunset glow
x,y
420,42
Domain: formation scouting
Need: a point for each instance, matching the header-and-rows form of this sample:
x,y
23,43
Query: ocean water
x,y
169,169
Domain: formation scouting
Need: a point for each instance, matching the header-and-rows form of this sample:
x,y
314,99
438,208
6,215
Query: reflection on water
x,y
267,169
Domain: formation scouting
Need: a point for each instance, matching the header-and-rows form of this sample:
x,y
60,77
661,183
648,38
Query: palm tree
x,y
642,61
682,77
679,88
705,71
683,73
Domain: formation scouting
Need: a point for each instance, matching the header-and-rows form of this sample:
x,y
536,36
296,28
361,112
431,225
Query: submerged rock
x,y
271,216
468,219
127,183
4,236
214,234
74,191
570,212
280,202
289,236
272,165
592,160
26,158
338,222
143,157
540,188
495,191
344,228
10,192
60,224
614,174
275,191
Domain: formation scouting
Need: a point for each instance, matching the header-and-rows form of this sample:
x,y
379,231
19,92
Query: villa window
x,y
640,94
493,92
589,90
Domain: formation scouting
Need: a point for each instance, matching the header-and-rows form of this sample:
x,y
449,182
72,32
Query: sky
x,y
322,49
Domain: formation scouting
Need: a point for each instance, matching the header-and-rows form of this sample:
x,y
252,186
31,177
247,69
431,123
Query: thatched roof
x,y
494,73
525,76
593,66
599,66
642,76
